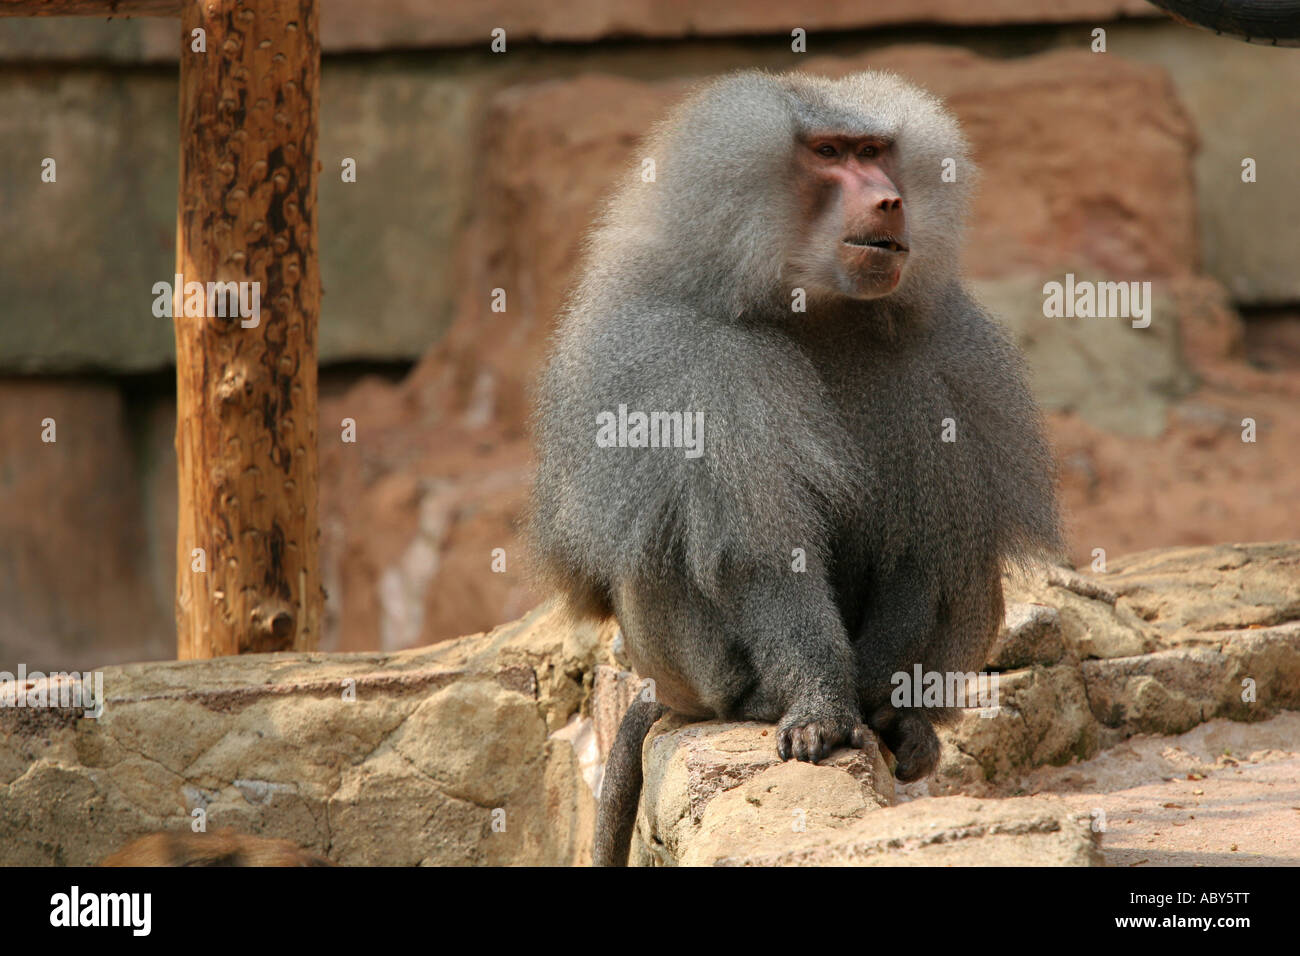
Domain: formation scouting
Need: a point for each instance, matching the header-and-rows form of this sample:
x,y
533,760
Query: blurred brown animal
x,y
222,848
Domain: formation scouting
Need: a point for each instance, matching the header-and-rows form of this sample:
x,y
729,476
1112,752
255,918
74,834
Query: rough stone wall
x,y
480,170
450,755
487,749
1161,644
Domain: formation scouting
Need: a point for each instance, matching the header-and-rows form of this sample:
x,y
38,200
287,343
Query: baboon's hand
x,y
911,740
813,738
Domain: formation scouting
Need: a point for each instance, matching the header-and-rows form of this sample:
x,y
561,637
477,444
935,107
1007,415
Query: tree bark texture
x,y
246,396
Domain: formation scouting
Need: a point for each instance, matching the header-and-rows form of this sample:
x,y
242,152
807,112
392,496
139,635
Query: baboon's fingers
x,y
915,746
813,740
860,736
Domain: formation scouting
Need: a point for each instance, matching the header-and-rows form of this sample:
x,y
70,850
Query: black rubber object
x,y
1266,22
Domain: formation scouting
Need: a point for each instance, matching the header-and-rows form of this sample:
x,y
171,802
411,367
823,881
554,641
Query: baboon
x,y
865,461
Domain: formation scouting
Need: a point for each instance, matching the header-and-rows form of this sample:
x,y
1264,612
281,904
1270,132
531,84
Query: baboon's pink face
x,y
857,245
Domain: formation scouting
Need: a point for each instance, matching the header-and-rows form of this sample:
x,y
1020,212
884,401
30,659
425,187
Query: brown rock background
x,y
480,171
1147,715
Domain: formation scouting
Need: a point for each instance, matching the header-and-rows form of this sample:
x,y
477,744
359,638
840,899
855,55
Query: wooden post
x,y
246,389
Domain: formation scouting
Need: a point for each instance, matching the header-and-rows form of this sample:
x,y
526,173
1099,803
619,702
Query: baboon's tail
x,y
621,789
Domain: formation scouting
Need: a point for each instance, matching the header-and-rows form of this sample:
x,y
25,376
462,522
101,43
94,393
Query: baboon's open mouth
x,y
888,243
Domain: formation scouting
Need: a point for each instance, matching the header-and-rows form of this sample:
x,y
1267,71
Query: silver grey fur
x,y
822,430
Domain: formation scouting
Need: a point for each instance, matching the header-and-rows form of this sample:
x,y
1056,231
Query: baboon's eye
x,y
870,152
826,149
